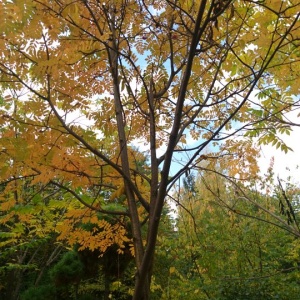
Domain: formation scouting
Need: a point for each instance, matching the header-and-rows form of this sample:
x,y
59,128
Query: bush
x,y
38,293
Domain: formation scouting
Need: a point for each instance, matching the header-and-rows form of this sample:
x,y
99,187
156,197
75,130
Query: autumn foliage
x,y
110,103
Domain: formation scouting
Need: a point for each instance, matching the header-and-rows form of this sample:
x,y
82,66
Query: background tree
x,y
83,81
36,237
27,234
228,248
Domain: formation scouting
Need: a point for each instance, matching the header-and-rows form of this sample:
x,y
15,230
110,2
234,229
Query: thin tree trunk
x,y
134,217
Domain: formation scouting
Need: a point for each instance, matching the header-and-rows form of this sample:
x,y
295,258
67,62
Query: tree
x,y
47,221
83,81
27,234
228,248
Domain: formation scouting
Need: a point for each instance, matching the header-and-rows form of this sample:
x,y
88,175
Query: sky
x,y
284,164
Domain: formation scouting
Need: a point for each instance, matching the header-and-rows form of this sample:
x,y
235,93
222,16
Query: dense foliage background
x,y
213,245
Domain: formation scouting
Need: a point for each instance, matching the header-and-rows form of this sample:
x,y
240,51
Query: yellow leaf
x,y
118,193
242,43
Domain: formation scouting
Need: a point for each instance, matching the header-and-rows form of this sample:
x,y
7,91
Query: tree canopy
x,y
87,86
